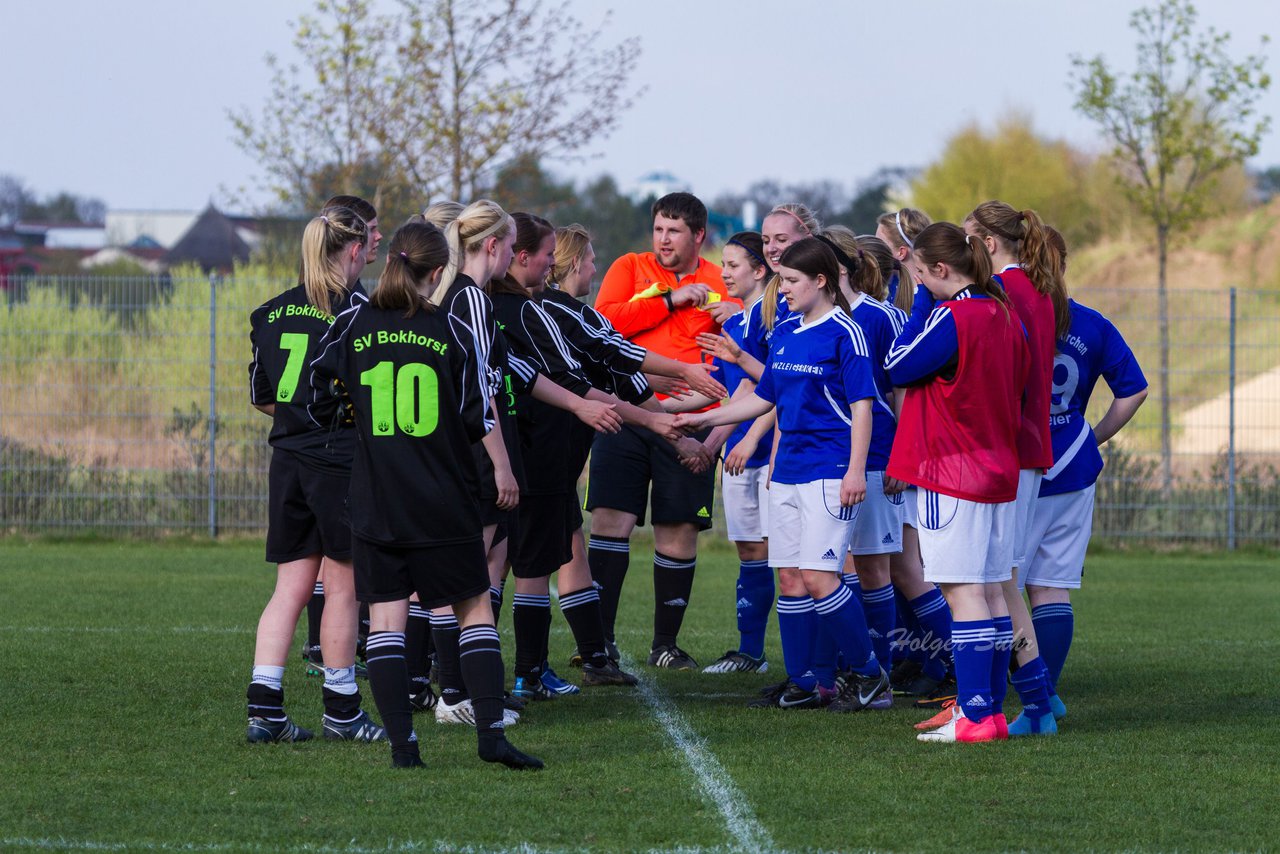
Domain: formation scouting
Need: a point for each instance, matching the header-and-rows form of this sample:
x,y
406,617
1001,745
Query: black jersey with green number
x,y
546,432
508,377
611,362
284,332
417,411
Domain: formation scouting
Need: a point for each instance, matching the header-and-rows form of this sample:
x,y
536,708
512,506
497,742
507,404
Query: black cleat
x,y
361,729
424,700
937,698
314,660
921,686
903,673
512,702
500,750
606,674
798,698
263,731
769,696
671,657
859,692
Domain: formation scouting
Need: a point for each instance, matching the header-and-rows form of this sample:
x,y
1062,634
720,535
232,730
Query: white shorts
x,y
964,542
1059,535
878,529
810,530
746,505
1028,493
910,515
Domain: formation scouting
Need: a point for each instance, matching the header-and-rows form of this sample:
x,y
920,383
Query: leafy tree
x,y
14,198
432,101
1181,119
1014,164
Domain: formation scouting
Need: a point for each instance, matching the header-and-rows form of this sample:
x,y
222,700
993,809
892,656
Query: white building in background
x,y
166,228
655,185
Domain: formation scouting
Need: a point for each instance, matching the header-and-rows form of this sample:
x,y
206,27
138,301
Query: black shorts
x,y
543,540
622,467
307,511
440,575
490,513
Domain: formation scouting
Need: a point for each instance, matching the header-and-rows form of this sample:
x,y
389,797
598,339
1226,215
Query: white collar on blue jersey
x,y
857,302
835,309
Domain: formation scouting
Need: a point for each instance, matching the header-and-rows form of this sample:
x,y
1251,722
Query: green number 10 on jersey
x,y
407,399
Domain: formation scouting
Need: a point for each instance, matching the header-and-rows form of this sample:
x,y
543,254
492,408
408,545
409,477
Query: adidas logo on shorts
x,y
888,539
830,555
703,514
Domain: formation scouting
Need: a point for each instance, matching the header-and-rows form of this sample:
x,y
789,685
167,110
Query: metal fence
x,y
124,407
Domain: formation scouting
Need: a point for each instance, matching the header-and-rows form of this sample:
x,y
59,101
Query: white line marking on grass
x,y
716,784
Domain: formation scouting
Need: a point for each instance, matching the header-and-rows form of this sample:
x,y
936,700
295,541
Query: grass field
x,y
123,710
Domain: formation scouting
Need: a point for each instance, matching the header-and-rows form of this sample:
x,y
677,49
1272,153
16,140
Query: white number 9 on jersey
x,y
1066,376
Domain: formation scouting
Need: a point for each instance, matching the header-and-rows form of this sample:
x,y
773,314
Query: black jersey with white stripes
x,y
546,432
284,332
418,409
611,363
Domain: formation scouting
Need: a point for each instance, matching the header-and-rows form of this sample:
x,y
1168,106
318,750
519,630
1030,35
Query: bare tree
x,y
1177,121
433,100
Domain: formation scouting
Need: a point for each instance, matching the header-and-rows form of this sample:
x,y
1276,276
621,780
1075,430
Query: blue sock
x,y
880,610
796,622
971,647
1055,624
826,653
755,600
850,580
1028,681
907,629
1001,652
844,619
934,618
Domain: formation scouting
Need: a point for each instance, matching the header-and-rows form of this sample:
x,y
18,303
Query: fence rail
x,y
124,406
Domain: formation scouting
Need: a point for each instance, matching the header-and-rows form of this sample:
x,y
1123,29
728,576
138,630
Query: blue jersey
x,y
814,374
894,278
1092,348
880,324
747,330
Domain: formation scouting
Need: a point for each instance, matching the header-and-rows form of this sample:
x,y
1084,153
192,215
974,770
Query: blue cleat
x,y
554,683
1025,724
1058,707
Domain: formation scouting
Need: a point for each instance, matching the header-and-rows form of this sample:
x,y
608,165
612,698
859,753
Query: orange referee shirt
x,y
631,297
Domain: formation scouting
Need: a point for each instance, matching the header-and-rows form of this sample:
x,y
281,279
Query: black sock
x,y
531,619
672,584
495,599
362,631
480,659
265,702
444,631
315,607
416,634
341,706
389,682
609,558
581,610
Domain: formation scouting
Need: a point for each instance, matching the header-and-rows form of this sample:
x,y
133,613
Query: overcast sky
x,y
127,101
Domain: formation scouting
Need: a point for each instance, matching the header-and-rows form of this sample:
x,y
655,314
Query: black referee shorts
x,y
624,464
440,575
306,511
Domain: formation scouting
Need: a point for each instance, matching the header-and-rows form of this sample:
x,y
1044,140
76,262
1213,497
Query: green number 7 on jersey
x,y
297,343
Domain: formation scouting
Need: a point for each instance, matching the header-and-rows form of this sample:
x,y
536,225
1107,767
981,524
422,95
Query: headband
x,y
897,221
488,232
795,215
747,249
841,256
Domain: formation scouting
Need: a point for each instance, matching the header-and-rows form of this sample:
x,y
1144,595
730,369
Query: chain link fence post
x,y
213,405
1231,424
